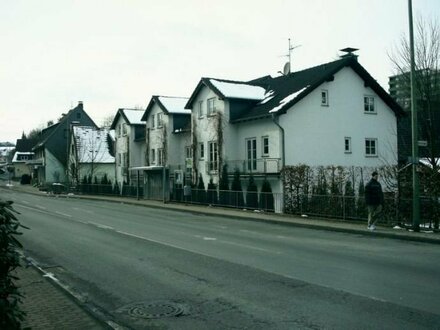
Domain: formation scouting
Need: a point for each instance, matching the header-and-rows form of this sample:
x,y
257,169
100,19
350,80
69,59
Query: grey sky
x,y
118,53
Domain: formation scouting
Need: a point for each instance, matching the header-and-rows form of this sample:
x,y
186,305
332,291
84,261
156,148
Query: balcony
x,y
254,166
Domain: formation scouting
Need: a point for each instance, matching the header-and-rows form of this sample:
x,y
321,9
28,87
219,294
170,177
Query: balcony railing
x,y
252,166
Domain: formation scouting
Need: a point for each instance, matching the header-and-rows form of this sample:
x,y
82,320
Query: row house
x,y
130,146
168,144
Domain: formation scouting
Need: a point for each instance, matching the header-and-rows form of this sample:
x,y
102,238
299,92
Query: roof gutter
x,y
283,152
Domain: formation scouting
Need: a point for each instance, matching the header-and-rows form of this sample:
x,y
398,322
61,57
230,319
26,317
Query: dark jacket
x,y
373,193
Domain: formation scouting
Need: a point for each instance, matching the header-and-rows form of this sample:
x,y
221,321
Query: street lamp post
x,y
414,129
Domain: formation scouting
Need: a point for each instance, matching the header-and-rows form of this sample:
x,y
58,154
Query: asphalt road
x,y
142,266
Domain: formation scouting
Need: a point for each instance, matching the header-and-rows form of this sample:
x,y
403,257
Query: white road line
x,y
99,225
209,238
63,214
25,202
41,207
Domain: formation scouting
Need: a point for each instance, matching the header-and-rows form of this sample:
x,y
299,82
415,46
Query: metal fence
x,y
396,211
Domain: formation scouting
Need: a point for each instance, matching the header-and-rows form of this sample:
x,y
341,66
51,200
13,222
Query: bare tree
x,y
427,91
427,82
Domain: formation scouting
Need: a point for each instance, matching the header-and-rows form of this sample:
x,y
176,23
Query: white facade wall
x,y
314,134
121,147
158,135
206,130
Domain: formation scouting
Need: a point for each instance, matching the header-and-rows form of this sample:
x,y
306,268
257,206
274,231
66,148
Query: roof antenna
x,y
288,65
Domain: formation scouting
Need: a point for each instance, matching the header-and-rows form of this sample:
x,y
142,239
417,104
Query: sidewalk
x,y
49,306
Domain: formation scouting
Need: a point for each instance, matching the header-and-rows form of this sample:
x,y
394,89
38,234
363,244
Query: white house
x,y
331,114
90,155
130,147
168,140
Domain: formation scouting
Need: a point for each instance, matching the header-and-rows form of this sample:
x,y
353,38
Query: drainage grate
x,y
154,310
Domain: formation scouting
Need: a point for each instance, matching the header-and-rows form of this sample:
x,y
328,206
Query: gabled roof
x,y
285,91
168,104
93,145
229,89
131,116
25,145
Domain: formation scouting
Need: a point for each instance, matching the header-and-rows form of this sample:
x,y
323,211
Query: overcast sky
x,y
118,53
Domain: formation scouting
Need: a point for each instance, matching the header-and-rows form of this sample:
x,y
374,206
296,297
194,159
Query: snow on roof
x,y
21,153
175,104
92,145
287,99
134,116
239,91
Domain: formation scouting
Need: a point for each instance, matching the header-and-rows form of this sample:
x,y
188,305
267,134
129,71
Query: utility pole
x,y
414,130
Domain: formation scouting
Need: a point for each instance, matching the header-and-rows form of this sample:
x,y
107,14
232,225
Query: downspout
x,y
283,151
283,154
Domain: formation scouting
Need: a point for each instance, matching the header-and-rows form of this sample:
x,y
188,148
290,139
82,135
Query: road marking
x,y
26,202
99,225
63,214
41,207
209,238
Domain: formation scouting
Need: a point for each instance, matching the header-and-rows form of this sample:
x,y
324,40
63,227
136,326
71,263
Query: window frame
x,y
367,149
324,98
264,145
201,150
347,150
213,156
159,120
153,156
160,161
251,154
153,122
369,107
210,106
200,109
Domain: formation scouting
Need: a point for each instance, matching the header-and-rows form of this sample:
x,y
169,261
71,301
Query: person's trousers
x,y
373,214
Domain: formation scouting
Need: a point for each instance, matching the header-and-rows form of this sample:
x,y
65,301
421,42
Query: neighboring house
x,y
331,114
90,157
130,147
51,150
22,156
5,149
168,141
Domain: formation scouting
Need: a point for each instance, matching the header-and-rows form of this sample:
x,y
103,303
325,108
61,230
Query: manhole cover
x,y
154,310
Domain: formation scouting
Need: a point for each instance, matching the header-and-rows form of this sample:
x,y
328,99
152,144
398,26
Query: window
x,y
159,120
120,159
124,129
324,98
202,150
211,106
153,123
347,145
188,152
160,156
265,145
369,104
120,130
153,156
251,153
213,156
371,147
200,109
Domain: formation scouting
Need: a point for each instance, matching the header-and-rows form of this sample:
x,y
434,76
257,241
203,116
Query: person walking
x,y
374,200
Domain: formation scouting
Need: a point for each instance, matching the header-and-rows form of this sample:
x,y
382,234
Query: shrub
x,y
25,179
10,313
237,192
252,194
266,196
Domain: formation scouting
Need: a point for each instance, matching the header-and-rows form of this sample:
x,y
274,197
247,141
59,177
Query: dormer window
x,y
369,104
324,98
211,106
